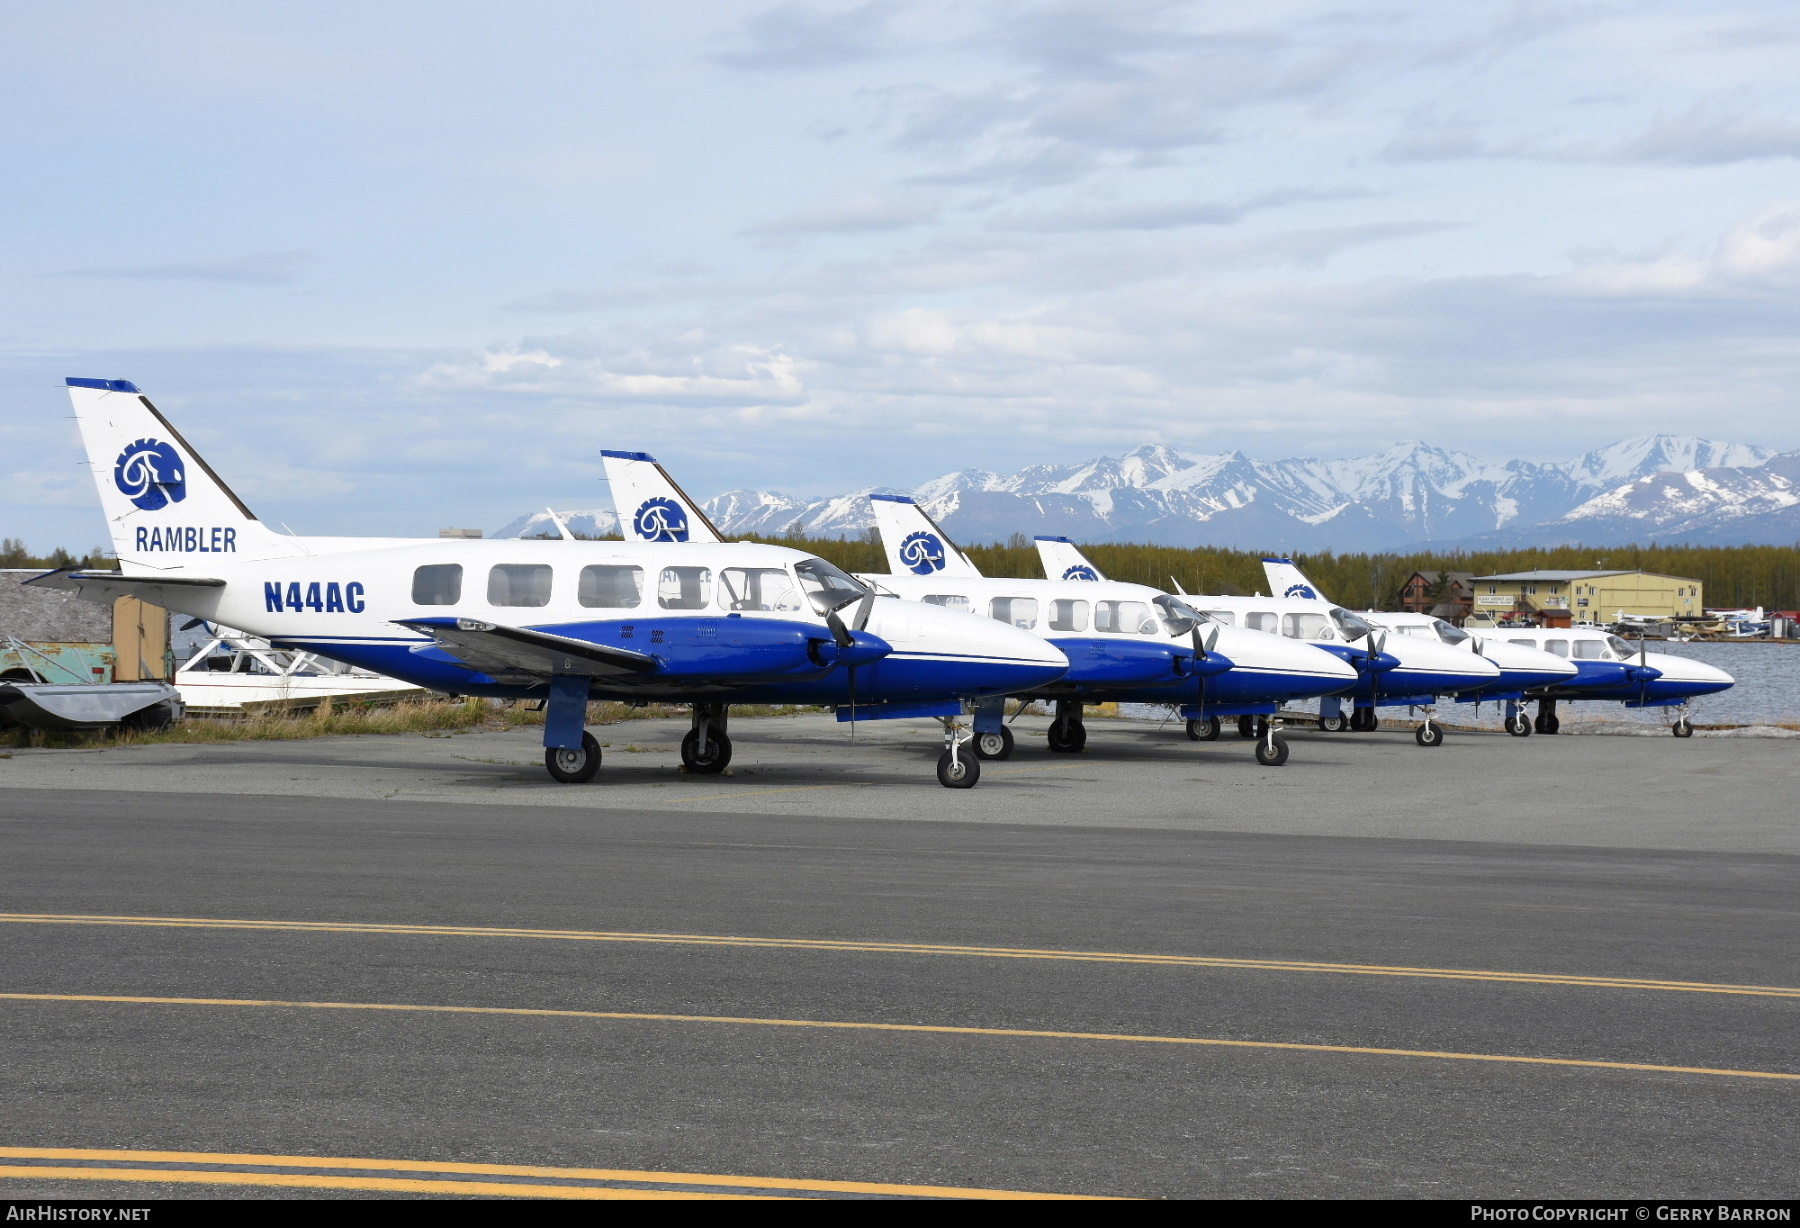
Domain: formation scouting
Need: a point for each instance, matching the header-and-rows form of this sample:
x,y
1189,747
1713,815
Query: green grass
x,y
429,717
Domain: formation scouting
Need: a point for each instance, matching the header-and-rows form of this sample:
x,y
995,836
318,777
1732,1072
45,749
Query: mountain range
x,y
1667,488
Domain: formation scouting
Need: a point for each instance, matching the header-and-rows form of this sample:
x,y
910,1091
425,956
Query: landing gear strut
x,y
957,768
1271,747
571,755
1517,723
706,750
1683,726
1067,734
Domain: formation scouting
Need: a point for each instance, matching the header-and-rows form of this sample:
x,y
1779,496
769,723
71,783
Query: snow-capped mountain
x,y
594,523
1407,494
1662,486
1725,505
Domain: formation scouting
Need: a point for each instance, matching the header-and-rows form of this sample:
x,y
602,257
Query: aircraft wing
x,y
499,650
105,586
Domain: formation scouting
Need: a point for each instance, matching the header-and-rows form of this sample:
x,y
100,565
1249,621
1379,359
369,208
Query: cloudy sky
x,y
401,266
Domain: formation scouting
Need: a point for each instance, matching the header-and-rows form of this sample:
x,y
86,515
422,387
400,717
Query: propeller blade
x,y
839,631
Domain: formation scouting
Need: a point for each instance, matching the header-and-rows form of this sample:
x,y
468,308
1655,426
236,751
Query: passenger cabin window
x,y
950,601
437,584
519,584
1225,618
1125,618
1303,626
1559,647
608,586
1590,650
1260,621
758,588
1068,614
1021,612
684,588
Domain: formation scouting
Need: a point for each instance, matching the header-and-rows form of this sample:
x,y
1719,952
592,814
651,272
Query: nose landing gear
x,y
956,768
1272,749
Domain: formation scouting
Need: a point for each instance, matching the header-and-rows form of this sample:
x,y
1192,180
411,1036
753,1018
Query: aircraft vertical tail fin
x,y
913,541
650,506
1287,580
163,503
1063,560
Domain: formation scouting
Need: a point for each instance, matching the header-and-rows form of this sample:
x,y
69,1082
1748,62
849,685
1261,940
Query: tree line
x,y
1733,576
1768,576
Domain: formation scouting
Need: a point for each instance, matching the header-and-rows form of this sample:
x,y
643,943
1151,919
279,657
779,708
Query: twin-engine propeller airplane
x,y
1126,643
1548,665
674,616
1388,671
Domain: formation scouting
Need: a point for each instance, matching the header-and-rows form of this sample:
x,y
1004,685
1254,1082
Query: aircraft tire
x,y
1364,720
960,772
1067,737
1272,752
1682,728
1553,725
573,767
1247,727
994,745
718,753
1429,734
1204,731
1334,724
1519,726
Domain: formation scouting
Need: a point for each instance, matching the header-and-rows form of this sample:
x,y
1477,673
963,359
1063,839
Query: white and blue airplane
x,y
1547,664
673,616
1126,643
1522,667
1610,667
1388,671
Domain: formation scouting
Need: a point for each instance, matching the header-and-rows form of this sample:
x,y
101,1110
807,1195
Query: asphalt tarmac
x,y
864,985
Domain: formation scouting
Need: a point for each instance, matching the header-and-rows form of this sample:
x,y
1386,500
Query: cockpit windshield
x,y
1449,633
1177,615
828,587
1622,648
1350,626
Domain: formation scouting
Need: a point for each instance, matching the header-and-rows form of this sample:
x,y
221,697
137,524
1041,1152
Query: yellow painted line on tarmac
x,y
933,1029
424,1176
906,948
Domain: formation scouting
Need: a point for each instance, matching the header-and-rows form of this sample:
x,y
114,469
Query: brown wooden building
x,y
1452,603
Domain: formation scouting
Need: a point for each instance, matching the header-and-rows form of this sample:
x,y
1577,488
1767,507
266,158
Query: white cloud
x,y
262,269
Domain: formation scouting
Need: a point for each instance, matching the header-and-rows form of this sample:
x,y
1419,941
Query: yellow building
x,y
1557,598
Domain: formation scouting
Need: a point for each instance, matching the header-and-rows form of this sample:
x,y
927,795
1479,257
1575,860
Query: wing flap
x,y
500,650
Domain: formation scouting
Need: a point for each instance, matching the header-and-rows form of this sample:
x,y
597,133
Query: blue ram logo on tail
x,y
922,553
148,473
661,520
1080,572
1301,590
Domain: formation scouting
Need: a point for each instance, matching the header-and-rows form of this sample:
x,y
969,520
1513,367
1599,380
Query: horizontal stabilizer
x,y
107,586
511,651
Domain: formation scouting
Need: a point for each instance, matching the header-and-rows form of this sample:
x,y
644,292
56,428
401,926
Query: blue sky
x,y
402,266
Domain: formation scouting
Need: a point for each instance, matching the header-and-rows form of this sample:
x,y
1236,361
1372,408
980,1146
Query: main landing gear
x,y
993,740
706,750
1205,730
573,766
571,755
1546,721
1067,734
1364,720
